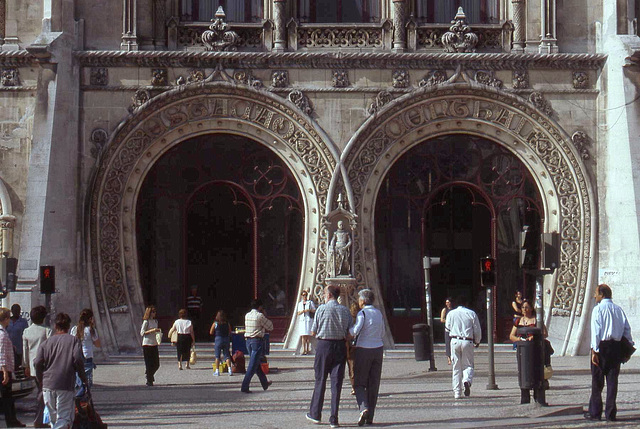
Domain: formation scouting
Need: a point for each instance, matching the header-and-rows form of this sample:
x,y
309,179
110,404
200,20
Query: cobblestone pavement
x,y
410,395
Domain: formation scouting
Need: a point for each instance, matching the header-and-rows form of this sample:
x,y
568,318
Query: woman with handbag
x,y
367,332
151,338
186,338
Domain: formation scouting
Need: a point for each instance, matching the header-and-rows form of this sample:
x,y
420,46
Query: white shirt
x,y
608,322
149,339
32,337
464,323
183,326
369,328
87,340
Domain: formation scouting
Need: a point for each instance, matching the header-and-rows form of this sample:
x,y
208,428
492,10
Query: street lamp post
x,y
427,263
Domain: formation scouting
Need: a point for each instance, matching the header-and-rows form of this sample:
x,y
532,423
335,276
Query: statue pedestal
x,y
347,285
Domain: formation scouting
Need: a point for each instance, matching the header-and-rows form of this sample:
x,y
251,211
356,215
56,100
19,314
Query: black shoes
x,y
245,391
269,383
589,417
364,416
16,424
311,419
467,388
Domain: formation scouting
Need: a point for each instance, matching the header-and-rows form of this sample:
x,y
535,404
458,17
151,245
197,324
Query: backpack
x,y
238,361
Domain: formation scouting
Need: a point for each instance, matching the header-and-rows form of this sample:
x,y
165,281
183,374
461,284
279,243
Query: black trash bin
x,y
530,360
421,341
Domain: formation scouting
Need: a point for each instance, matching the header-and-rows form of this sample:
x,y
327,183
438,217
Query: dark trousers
x,y
331,356
8,405
39,405
609,368
183,347
151,361
255,347
368,370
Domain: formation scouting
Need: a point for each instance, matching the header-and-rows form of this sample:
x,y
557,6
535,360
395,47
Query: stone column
x,y
519,26
399,29
129,28
280,20
548,41
7,223
160,17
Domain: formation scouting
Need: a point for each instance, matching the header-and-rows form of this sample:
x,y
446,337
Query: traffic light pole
x,y
491,382
427,262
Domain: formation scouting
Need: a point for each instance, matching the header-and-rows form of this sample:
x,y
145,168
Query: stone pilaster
x,y
548,41
399,28
280,19
159,19
519,26
129,27
7,224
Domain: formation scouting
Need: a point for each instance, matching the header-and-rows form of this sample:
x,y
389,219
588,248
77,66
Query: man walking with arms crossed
x,y
59,359
331,327
608,325
465,332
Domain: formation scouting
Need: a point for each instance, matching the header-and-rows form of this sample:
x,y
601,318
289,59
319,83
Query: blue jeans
x,y
88,370
255,347
221,348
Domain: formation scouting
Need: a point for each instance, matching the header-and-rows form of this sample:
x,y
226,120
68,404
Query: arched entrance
x,y
567,197
460,198
221,213
175,118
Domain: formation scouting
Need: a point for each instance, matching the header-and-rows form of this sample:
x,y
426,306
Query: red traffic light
x,y
488,272
488,265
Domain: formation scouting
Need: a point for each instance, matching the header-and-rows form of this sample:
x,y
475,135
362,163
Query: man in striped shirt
x,y
255,324
194,304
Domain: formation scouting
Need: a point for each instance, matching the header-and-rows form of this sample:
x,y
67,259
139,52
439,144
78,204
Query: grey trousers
x,y
368,370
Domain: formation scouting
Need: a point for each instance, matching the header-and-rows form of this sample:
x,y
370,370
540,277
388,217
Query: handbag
x,y
626,350
193,359
159,337
548,372
173,335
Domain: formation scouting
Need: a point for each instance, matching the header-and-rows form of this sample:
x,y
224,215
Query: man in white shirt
x,y
465,332
608,325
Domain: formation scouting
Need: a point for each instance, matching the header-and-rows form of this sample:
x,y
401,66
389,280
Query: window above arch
x,y
236,10
338,11
443,11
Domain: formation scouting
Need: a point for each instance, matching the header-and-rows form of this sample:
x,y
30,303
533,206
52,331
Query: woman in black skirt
x,y
186,338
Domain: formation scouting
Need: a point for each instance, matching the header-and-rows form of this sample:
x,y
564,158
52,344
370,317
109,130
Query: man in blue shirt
x,y
331,327
608,325
16,327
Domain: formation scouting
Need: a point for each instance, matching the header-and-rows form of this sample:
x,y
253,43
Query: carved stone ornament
x,y
381,99
436,77
301,100
400,78
218,37
159,77
580,80
537,99
139,98
195,76
520,79
247,78
99,76
99,138
488,78
459,38
181,81
280,78
580,141
10,77
340,78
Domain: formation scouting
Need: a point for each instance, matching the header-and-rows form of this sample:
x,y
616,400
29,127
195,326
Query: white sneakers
x,y
230,372
216,373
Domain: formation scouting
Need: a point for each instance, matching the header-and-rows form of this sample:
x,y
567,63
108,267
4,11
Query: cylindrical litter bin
x,y
530,364
421,341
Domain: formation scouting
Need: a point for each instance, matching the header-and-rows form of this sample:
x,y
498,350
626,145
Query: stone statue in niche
x,y
339,252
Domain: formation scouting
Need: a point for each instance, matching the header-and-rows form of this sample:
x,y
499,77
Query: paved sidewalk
x,y
410,395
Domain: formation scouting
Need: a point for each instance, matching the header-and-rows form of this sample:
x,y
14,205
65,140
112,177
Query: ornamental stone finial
x,y
459,38
217,37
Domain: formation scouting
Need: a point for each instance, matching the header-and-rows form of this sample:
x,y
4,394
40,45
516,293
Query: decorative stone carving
x,y
381,99
580,80
488,78
537,99
10,77
99,76
280,29
339,37
400,78
218,37
301,100
435,77
580,141
519,25
99,139
181,81
280,78
140,97
159,77
520,79
195,76
459,38
340,78
399,25
247,78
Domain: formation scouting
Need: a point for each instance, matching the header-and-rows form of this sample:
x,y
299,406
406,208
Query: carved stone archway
x,y
7,221
154,128
537,140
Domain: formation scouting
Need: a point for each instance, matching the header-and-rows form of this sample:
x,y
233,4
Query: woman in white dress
x,y
306,308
